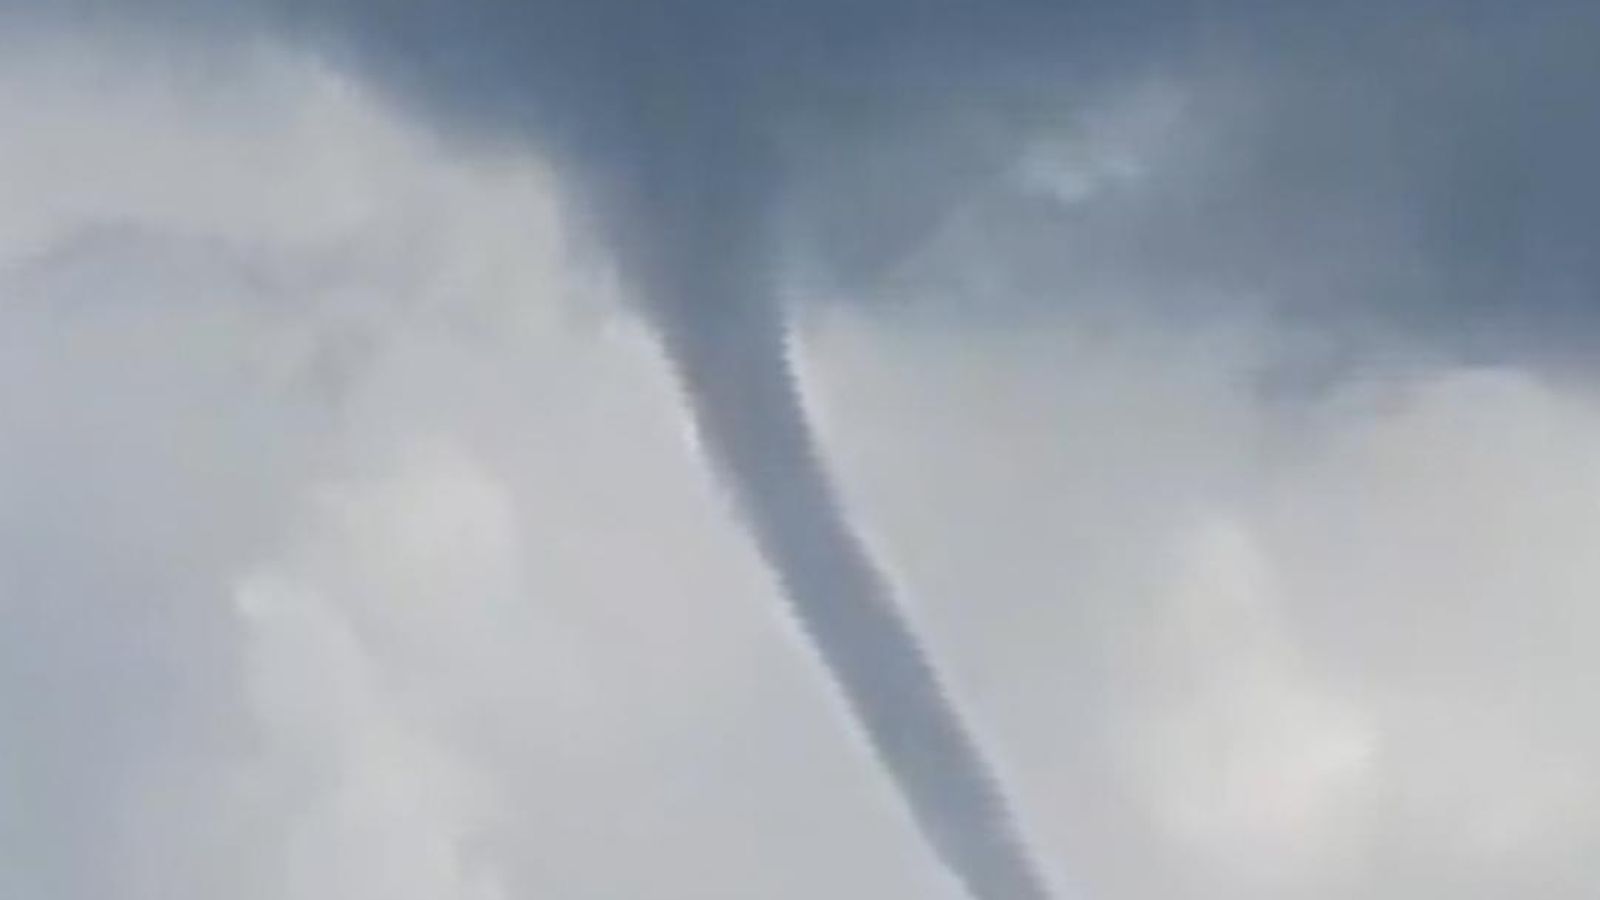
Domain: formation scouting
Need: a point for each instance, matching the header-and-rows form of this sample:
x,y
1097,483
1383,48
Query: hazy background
x,y
1229,428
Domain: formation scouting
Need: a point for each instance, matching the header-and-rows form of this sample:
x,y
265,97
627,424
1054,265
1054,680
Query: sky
x,y
1214,382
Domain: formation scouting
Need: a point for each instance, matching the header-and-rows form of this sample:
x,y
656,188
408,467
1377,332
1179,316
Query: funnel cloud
x,y
1400,190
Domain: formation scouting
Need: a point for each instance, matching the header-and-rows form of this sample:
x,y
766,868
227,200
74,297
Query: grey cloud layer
x,y
1422,166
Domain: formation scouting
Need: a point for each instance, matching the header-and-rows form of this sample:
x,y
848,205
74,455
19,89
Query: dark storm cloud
x,y
633,99
1421,164
1421,168
1419,172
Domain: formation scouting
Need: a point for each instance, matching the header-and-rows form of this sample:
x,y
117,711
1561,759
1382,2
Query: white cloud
x,y
1245,757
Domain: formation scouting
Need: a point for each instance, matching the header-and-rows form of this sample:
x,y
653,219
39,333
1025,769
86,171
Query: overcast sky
x,y
1216,384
